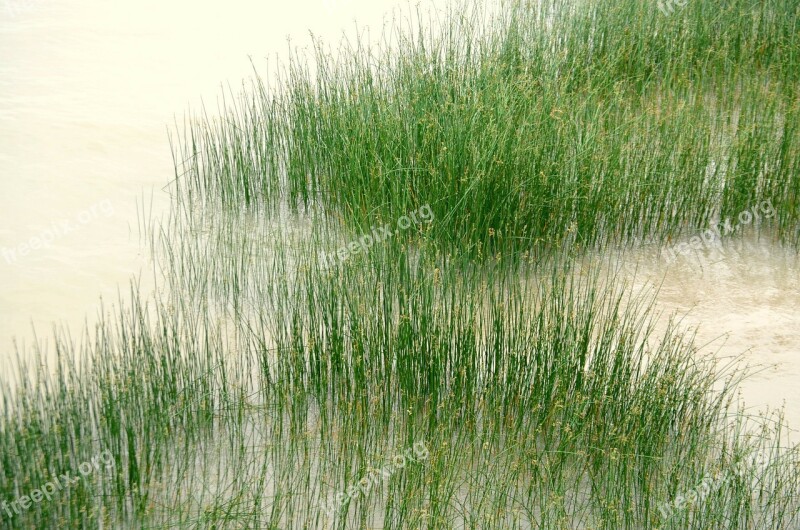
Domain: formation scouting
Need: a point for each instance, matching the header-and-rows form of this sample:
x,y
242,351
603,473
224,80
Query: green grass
x,y
255,384
545,396
615,123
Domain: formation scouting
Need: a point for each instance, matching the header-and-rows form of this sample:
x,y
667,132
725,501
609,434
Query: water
x,y
88,91
742,297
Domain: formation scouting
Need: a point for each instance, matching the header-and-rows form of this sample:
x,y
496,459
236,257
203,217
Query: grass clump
x,y
547,125
260,384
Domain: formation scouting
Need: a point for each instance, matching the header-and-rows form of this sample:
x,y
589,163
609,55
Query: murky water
x,y
742,297
88,90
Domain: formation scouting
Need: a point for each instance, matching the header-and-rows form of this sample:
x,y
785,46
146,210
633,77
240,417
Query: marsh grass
x,y
256,383
528,131
542,394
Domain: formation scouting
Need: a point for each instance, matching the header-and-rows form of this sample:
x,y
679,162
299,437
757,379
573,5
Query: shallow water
x,y
88,91
742,297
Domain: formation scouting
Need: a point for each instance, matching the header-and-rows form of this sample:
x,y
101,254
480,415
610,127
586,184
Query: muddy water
x,y
87,92
742,297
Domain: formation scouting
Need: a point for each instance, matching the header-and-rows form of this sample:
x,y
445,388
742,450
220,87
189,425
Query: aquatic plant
x,y
261,382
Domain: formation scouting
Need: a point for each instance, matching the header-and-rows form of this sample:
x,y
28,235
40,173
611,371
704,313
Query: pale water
x,y
88,91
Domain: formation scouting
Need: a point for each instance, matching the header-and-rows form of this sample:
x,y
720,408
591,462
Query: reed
x,y
260,384
547,125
